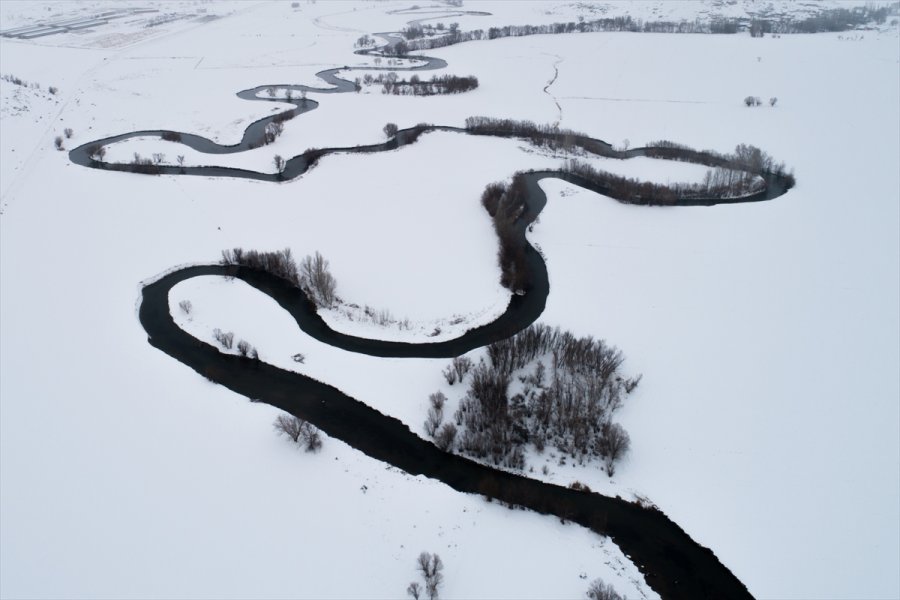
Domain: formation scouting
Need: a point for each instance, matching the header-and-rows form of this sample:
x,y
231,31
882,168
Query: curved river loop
x,y
673,564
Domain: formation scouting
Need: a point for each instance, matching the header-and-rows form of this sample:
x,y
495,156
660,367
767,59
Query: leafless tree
x,y
68,131
435,413
226,339
290,426
414,590
431,567
300,431
772,101
315,277
158,158
600,590
58,142
279,164
390,130
614,443
186,306
180,159
434,420
244,347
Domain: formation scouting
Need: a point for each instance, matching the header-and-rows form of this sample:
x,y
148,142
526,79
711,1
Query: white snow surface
x,y
767,422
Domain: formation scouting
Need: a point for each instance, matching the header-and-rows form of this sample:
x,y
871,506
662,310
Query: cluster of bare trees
x,y
745,157
438,84
505,203
431,567
139,164
280,263
600,590
570,389
457,369
303,433
226,339
834,19
718,183
548,136
757,101
312,275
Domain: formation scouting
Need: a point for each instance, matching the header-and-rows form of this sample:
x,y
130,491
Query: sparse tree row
x,y
840,19
570,389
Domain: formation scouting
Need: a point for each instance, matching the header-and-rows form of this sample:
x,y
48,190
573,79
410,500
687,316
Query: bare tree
x,y
279,164
315,277
431,567
435,413
600,590
244,347
390,130
68,131
414,590
434,420
614,443
772,101
180,159
290,426
186,306
158,158
58,142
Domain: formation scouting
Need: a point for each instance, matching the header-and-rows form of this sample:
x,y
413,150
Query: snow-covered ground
x,y
768,334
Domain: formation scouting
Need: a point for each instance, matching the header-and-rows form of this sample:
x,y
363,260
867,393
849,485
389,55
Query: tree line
x,y
570,389
838,19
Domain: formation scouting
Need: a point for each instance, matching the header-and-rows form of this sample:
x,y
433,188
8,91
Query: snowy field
x,y
767,422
